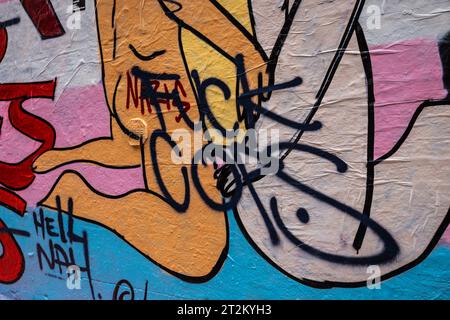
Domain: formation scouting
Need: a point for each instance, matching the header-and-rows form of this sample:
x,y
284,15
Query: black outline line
x,y
9,23
149,57
370,177
332,69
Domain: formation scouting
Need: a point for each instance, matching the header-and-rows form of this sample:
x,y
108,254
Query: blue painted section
x,y
245,274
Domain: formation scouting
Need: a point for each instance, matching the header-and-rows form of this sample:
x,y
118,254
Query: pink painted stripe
x,y
405,74
113,182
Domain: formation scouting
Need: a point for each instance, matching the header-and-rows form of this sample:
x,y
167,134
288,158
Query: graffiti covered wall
x,y
228,149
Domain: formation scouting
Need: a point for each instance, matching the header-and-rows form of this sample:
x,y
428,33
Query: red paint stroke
x,y
44,18
12,262
134,95
3,42
12,201
19,176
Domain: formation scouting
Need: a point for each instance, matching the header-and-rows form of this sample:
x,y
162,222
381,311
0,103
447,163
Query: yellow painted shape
x,y
211,64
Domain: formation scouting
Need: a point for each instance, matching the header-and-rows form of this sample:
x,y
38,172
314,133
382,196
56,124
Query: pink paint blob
x,y
405,74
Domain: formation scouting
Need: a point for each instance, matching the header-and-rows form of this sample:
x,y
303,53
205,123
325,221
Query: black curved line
x,y
370,177
83,161
198,34
102,60
252,19
396,147
385,256
113,14
10,22
282,36
179,6
186,64
16,232
147,57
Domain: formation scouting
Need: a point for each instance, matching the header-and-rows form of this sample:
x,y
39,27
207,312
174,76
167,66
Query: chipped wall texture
x,y
115,117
